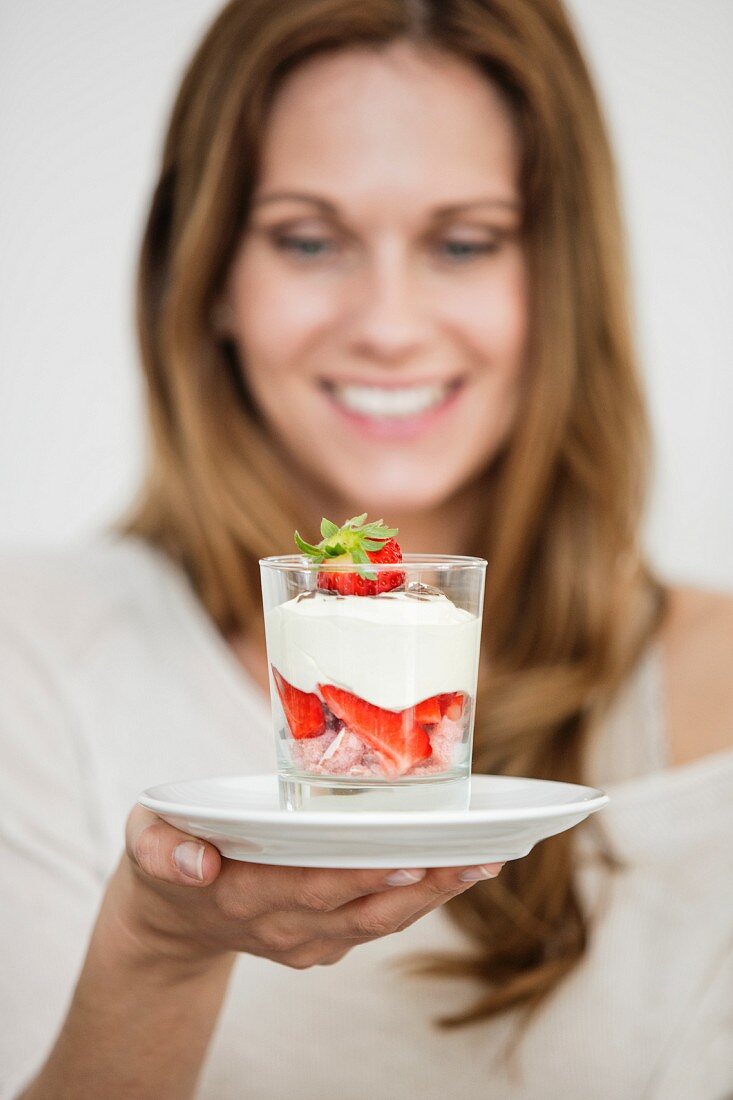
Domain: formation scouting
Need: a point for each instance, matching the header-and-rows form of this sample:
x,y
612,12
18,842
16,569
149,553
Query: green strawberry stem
x,y
353,539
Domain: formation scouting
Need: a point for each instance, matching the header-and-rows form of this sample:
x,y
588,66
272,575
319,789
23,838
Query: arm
x,y
140,1021
135,1016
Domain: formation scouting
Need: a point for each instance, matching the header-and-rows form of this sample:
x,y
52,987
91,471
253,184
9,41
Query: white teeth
x,y
403,402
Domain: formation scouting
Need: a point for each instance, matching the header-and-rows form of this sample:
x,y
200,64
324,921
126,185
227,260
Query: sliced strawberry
x,y
303,709
428,711
359,544
451,704
396,735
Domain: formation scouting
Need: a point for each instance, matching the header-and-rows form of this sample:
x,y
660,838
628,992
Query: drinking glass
x,y
373,697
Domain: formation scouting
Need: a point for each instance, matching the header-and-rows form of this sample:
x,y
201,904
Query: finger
x,y
467,877
257,888
366,918
167,854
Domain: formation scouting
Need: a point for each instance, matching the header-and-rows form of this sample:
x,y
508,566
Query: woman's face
x,y
378,298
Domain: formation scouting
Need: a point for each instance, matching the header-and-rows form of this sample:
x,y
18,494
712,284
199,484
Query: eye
x,y
468,250
303,247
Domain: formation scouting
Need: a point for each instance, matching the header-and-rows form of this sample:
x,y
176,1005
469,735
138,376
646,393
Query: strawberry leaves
x,y
311,551
328,528
359,544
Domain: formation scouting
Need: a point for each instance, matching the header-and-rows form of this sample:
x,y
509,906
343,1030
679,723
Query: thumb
x,y
163,852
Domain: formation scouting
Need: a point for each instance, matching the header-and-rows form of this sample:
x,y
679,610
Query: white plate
x,y
506,817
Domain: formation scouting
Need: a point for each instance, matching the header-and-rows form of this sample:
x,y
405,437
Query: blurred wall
x,y
85,89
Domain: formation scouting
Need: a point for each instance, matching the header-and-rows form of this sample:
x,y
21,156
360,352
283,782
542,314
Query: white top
x,y
114,679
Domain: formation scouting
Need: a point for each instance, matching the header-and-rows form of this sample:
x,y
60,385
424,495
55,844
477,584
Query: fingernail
x,y
403,878
486,870
189,858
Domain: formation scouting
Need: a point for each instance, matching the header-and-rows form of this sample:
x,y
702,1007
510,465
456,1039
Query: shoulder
x,y
57,599
696,639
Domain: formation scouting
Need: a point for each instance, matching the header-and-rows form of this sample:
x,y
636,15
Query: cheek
x,y
276,318
492,316
493,321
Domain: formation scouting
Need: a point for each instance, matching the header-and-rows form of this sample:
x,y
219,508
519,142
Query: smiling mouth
x,y
391,402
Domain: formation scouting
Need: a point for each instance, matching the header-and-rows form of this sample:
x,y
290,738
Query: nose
x,y
389,323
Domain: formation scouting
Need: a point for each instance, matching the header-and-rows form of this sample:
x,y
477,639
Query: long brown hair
x,y
570,603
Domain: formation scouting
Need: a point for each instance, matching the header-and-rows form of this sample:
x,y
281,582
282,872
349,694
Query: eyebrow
x,y
437,211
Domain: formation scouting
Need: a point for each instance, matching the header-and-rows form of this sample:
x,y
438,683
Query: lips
x,y
391,383
390,399
393,412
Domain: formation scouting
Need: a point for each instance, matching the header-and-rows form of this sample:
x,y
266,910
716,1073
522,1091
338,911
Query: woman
x,y
365,210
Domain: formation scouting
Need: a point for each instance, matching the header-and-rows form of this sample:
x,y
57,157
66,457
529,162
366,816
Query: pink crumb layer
x,y
443,740
351,756
348,750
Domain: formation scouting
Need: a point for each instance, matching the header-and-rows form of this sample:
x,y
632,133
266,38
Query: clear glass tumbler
x,y
373,697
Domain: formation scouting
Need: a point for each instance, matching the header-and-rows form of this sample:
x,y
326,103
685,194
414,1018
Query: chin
x,y
397,495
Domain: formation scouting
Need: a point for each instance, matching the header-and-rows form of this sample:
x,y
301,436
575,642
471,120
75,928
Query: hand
x,y
178,897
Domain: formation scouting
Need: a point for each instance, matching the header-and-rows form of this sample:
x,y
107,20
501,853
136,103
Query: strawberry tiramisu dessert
x,y
374,670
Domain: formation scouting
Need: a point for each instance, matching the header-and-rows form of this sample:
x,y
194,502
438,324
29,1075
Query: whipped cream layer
x,y
392,650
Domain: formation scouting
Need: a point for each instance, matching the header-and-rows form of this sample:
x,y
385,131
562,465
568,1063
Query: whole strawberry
x,y
358,543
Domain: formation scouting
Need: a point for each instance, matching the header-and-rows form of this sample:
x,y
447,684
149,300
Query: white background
x,y
85,89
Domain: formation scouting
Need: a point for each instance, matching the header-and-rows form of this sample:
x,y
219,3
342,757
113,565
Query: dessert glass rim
x,y
299,562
